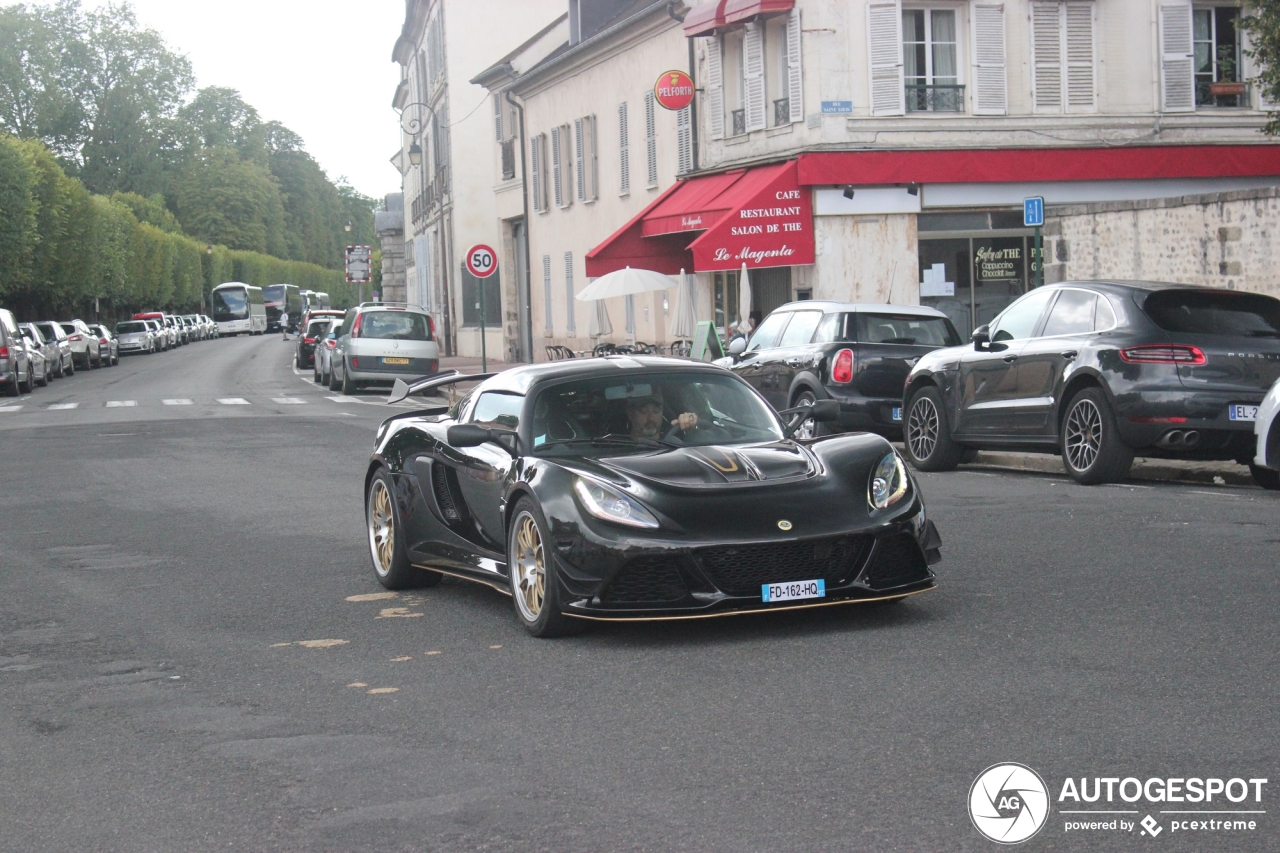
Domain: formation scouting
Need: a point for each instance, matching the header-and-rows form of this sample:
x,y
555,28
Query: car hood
x,y
715,465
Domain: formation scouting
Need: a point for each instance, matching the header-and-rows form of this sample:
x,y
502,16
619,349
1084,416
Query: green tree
x,y
223,199
18,216
1262,21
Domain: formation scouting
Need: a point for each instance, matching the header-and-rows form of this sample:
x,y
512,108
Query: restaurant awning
x,y
737,11
760,217
704,19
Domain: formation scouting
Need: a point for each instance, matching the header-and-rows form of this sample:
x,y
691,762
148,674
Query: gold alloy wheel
x,y
529,565
382,528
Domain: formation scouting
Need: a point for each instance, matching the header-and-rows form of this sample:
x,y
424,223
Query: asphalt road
x,y
194,655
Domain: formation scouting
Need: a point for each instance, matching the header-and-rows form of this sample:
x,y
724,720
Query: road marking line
x,y
60,407
342,399
10,408
289,401
178,401
121,404
233,401
379,691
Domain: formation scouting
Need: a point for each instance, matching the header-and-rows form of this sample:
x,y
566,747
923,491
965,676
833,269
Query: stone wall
x,y
1219,240
389,224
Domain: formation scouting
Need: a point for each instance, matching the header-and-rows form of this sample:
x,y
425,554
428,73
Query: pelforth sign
x,y
674,90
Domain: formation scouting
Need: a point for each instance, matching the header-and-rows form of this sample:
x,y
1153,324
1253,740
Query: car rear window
x,y
130,327
906,329
69,328
1200,312
395,325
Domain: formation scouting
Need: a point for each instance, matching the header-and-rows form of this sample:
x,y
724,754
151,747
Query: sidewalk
x,y
1163,470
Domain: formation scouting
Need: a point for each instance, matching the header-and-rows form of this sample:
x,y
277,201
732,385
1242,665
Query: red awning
x,y
737,11
867,168
760,217
704,19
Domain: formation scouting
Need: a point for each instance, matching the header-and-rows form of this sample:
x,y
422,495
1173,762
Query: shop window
x,y
1216,43
471,304
930,61
725,290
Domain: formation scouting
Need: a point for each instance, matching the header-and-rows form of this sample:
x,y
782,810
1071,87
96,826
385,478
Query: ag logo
x,y
1008,803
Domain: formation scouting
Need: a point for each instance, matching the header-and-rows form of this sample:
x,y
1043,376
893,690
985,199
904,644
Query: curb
x,y
1152,470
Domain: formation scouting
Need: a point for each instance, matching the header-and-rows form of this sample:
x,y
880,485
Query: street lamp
x,y
415,154
347,227
208,250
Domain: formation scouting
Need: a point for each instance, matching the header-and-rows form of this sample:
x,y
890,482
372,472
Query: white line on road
x,y
58,407
344,399
178,401
10,408
289,401
121,404
233,401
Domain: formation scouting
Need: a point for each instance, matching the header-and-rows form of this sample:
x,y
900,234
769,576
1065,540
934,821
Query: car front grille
x,y
646,580
744,569
897,561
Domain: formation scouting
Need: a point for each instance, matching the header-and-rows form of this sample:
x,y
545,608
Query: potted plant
x,y
1227,84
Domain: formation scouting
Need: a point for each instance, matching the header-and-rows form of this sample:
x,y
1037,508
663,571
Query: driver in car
x,y
645,417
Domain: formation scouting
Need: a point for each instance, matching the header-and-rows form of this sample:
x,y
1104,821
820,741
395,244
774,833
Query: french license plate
x,y
897,413
794,590
1242,413
395,361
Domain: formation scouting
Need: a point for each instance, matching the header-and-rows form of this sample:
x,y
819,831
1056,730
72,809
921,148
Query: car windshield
x,y
906,329
317,328
395,325
642,411
130,327
1197,312
230,305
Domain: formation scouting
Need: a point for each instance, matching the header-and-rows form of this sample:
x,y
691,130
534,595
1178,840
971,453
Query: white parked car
x,y
380,342
1266,464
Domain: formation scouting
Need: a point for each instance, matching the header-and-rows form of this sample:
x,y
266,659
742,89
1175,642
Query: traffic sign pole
x,y
482,262
1033,217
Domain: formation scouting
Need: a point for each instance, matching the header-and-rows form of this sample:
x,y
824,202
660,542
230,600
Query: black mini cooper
x,y
639,488
1101,371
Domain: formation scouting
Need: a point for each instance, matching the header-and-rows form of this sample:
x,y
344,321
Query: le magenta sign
x,y
674,90
773,228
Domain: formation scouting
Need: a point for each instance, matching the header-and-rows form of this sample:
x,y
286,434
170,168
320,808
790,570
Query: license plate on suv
x,y
794,590
395,361
1242,413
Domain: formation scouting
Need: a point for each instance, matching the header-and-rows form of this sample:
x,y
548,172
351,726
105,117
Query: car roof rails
x,y
392,305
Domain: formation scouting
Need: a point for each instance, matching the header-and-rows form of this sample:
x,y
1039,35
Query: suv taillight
x,y
1163,354
73,337
842,367
431,327
355,327
4,352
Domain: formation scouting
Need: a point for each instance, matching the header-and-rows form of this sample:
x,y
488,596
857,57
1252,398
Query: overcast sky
x,y
321,67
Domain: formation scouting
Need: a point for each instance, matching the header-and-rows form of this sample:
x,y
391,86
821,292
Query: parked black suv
x,y
856,354
1101,371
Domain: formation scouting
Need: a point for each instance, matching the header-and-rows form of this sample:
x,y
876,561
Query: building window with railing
x,y
1216,40
930,61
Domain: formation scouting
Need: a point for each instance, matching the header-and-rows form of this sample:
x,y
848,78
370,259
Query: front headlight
x,y
888,482
607,503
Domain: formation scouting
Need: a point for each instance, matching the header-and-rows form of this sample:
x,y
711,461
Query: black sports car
x,y
1101,371
639,488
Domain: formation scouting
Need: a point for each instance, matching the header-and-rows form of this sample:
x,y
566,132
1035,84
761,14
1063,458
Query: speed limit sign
x,y
482,261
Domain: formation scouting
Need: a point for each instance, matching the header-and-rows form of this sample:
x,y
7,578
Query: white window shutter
x,y
753,77
535,161
593,170
624,150
1046,53
497,116
569,323
547,321
795,79
715,88
990,80
684,140
1081,77
1177,59
651,137
580,166
884,35
1252,68
557,185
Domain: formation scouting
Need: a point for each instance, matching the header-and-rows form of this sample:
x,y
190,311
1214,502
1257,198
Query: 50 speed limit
x,y
482,261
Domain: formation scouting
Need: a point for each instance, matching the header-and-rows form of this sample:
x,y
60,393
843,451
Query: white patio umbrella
x,y
625,282
744,301
599,325
684,319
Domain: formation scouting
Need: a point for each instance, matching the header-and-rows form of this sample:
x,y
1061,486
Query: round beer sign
x,y
674,90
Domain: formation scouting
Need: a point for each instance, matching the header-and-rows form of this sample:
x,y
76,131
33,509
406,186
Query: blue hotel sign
x,y
830,108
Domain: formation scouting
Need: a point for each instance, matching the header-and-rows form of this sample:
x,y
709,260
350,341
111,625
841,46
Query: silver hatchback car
x,y
380,342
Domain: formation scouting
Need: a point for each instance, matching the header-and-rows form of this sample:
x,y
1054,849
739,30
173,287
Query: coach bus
x,y
314,301
238,309
282,298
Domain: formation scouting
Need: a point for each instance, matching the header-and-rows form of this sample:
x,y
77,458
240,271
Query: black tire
x,y
115,360
386,547
926,434
531,572
809,428
1092,449
71,368
297,360
315,372
12,389
43,381
332,380
29,386
348,384
62,368
1268,478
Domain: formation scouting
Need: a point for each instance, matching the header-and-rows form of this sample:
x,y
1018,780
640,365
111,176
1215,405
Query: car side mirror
x,y
981,337
737,347
471,435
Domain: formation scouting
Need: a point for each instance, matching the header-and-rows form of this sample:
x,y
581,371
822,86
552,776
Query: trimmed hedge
x,y
62,248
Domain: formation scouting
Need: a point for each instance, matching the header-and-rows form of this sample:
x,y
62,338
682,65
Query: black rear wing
x,y
403,389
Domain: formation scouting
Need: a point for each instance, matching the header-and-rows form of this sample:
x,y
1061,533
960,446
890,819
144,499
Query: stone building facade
x,y
388,224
